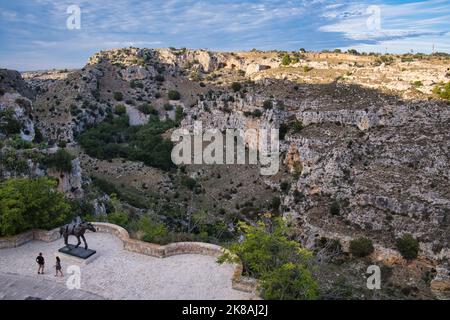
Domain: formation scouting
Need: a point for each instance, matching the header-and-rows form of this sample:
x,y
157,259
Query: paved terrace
x,y
115,274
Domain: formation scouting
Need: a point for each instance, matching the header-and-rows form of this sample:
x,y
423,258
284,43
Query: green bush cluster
x,y
61,161
120,109
236,86
408,247
281,265
174,95
443,90
31,203
118,96
117,139
8,123
361,247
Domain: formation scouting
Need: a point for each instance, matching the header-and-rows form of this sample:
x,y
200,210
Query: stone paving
x,y
120,274
20,287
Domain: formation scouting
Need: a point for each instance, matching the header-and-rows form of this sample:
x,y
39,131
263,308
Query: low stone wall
x,y
20,239
238,281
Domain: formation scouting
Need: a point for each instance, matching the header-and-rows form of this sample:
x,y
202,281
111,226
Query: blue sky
x,y
34,35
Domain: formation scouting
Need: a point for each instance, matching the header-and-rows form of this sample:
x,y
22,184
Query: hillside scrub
x,y
281,265
117,139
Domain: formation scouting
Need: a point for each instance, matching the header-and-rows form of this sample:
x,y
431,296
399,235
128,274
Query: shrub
x,y
296,126
289,282
61,161
267,105
286,60
159,78
168,107
361,247
8,123
31,203
282,266
236,86
284,186
275,203
189,182
153,231
147,108
62,144
179,114
174,95
443,91
118,96
417,83
335,209
408,247
120,109
120,218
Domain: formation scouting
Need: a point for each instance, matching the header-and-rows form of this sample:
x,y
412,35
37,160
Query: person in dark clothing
x,y
41,262
58,267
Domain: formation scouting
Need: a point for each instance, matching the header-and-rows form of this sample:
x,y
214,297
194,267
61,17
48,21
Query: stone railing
x,y
238,281
20,239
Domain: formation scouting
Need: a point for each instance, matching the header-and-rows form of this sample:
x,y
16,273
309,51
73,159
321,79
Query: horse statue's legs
x,y
84,240
66,239
79,242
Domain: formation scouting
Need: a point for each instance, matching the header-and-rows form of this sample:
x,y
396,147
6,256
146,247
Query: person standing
x,y
58,267
41,262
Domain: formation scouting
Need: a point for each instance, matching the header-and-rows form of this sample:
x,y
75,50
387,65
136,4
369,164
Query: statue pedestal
x,y
79,255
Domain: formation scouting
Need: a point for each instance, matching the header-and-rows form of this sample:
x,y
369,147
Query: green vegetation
x,y
335,209
286,60
61,161
268,104
408,247
275,203
120,109
118,96
443,90
147,108
117,139
281,265
236,86
168,107
417,83
154,231
8,123
31,203
361,247
174,95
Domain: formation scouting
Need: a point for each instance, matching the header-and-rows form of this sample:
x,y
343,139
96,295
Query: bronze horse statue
x,y
76,228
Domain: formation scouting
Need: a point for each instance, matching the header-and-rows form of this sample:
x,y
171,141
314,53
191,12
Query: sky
x,y
40,34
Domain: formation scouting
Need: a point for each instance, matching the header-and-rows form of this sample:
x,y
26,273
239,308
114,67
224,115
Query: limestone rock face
x,y
254,68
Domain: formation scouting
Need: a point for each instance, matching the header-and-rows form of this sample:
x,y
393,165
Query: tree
x,y
281,265
408,246
31,203
286,60
361,247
